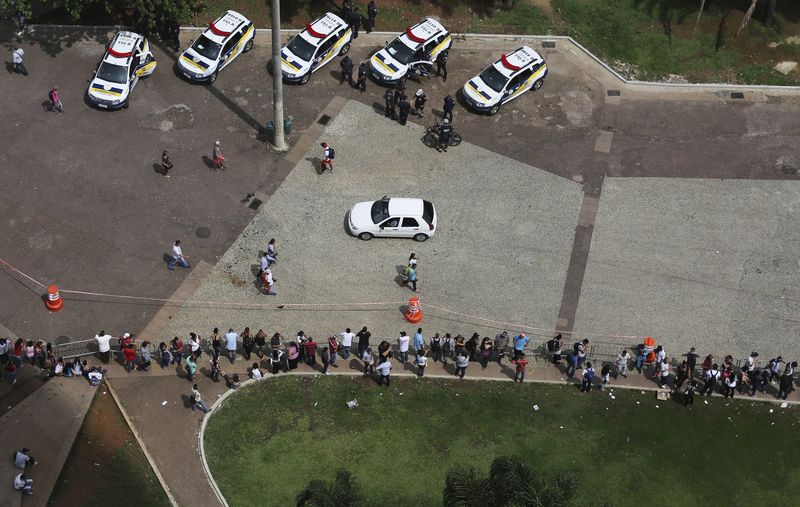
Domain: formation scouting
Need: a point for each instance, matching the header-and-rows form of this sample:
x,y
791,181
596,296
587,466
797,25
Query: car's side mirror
x,y
191,42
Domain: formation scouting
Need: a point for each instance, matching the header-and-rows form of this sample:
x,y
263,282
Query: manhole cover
x,y
324,119
548,44
203,232
788,169
613,93
61,340
256,203
737,95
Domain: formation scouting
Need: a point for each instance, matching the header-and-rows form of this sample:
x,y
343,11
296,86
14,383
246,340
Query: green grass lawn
x,y
271,438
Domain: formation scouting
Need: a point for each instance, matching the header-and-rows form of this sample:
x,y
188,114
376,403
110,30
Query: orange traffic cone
x,y
54,302
649,350
414,312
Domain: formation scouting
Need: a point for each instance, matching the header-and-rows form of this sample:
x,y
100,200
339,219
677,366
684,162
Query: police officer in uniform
x,y
347,9
372,13
388,97
448,107
419,103
355,22
362,77
444,135
347,70
399,89
441,64
405,108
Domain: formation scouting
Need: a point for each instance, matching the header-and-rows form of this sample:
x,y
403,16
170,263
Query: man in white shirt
x,y
23,458
384,369
402,346
16,59
104,346
347,342
22,483
230,344
178,257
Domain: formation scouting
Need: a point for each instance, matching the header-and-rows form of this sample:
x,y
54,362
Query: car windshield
x,y
427,212
493,78
301,48
113,73
400,51
380,211
206,47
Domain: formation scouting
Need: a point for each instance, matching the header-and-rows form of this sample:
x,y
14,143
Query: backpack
x,y
333,152
551,345
590,374
447,346
576,347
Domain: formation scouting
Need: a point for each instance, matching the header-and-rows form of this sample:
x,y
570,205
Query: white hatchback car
x,y
226,38
396,217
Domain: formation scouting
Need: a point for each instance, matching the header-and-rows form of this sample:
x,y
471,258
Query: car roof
x,y
319,29
405,206
426,29
122,48
520,57
221,28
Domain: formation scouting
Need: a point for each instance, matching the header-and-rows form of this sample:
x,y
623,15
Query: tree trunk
x,y
699,14
770,11
508,4
746,18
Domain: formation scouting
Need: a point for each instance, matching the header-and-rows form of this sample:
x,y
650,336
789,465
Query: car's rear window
x,y
380,211
427,212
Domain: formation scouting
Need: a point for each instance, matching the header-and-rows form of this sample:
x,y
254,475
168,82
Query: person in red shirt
x,y
522,365
130,357
11,372
311,351
333,347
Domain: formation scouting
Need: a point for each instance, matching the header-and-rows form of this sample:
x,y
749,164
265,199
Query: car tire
x,y
305,78
538,84
345,49
212,78
420,237
365,236
248,46
126,104
455,139
495,108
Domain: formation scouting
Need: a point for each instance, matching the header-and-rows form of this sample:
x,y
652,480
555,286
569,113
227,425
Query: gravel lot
x,y
501,250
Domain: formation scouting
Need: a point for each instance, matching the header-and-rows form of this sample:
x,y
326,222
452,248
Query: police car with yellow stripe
x,y
127,59
225,38
505,80
418,45
315,46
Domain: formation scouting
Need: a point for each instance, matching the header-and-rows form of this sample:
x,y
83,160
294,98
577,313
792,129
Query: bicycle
x,y
431,137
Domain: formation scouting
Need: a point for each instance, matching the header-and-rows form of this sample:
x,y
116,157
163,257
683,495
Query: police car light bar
x,y
315,33
507,64
118,54
413,37
217,31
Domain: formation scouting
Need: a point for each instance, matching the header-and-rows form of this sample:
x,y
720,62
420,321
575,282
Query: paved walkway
x,y
46,422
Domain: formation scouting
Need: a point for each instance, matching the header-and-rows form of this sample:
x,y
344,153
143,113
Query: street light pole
x,y
277,77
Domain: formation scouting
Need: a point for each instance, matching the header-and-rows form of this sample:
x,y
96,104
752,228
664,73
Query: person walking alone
x,y
17,55
166,164
218,160
196,400
328,154
55,101
178,257
411,273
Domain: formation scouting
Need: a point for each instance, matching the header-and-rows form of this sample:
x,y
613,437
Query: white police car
x,y
226,38
505,80
418,45
315,46
127,59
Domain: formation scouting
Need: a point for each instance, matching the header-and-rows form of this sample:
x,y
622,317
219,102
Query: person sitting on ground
x,y
231,381
22,483
95,376
23,459
255,372
75,367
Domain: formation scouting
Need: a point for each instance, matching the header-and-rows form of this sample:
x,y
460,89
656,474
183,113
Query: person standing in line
x,y
178,257
276,359
11,372
103,346
664,372
486,351
361,84
333,348
146,355
164,356
390,105
640,357
419,103
441,64
403,344
688,393
622,364
197,400
405,108
347,70
730,385
520,342
572,363
355,22
420,361
748,369
176,349
347,342
325,357
691,361
363,340
581,349
411,274
22,483
384,372
500,346
5,345
129,354
447,347
248,343
682,375
447,110
166,164
786,383
419,340
554,345
230,344
293,355
462,361
261,344
661,354
328,154
310,347
588,377
218,160
191,367
215,369
605,376
372,13
521,365
216,343
17,55
369,362
55,101
711,377
194,345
